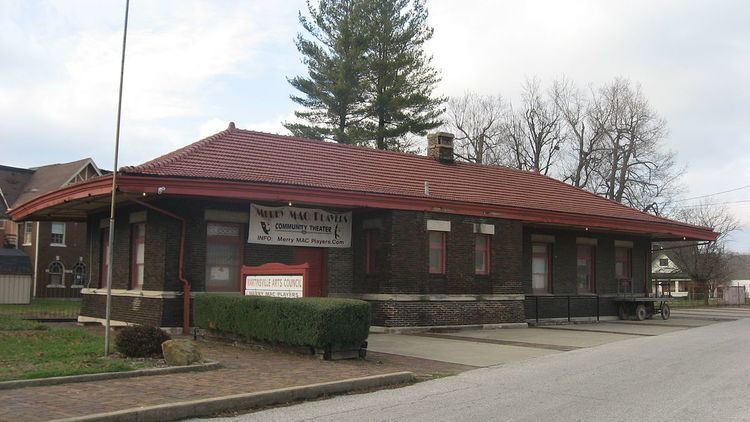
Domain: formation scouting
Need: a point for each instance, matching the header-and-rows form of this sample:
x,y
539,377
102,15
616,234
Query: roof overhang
x,y
77,201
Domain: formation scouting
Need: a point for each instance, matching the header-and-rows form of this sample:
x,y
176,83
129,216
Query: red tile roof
x,y
243,155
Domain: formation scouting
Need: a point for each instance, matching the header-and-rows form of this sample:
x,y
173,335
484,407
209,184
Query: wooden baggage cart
x,y
640,306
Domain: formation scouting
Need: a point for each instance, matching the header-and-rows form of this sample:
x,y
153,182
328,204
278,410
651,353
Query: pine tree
x,y
333,93
401,78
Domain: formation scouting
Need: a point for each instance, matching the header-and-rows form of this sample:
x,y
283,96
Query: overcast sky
x,y
193,66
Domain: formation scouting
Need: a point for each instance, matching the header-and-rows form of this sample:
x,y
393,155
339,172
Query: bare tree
x,y
706,263
478,122
608,140
585,152
533,134
635,169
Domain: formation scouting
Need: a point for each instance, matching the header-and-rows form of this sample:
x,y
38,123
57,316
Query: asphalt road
x,y
701,374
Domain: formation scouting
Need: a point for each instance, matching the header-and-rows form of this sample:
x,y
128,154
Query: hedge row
x,y
312,321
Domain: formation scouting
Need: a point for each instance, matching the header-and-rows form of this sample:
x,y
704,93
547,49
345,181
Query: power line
x,y
713,194
743,201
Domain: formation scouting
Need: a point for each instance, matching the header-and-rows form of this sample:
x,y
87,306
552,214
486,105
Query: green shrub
x,y
141,341
311,321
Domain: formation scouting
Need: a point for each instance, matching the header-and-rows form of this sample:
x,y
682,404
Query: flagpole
x,y
111,237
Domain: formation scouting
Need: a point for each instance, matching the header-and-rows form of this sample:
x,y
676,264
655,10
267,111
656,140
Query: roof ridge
x,y
19,169
175,155
337,144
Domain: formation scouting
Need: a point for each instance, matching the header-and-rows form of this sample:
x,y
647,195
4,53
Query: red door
x,y
316,258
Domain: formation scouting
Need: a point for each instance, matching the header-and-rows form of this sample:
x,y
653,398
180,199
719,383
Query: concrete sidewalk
x,y
496,346
644,328
453,351
541,338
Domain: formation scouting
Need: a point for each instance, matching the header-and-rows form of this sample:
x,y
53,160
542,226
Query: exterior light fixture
x,y
161,189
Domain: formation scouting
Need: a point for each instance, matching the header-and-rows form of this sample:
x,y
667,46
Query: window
x,y
28,231
622,263
55,274
79,274
482,253
104,259
585,275
58,234
664,262
437,252
371,245
223,257
137,254
541,274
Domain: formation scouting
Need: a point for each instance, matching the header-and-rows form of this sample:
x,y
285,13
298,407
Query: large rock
x,y
180,352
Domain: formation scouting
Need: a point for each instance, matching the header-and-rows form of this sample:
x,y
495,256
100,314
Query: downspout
x,y
36,256
181,260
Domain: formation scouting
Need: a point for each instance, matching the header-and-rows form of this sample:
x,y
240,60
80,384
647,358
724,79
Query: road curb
x,y
41,382
212,406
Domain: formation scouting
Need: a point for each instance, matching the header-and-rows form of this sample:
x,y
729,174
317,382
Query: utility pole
x,y
111,237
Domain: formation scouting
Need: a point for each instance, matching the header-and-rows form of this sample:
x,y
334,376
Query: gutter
x,y
181,263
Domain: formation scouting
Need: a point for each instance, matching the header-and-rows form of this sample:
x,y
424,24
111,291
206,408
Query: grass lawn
x,y
44,308
33,350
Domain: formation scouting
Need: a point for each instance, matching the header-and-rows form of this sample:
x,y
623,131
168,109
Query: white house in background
x,y
741,273
667,276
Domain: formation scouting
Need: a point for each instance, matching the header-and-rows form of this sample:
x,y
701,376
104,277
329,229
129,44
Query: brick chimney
x,y
440,146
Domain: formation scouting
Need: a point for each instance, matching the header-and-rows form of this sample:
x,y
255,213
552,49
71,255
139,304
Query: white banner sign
x,y
274,285
299,227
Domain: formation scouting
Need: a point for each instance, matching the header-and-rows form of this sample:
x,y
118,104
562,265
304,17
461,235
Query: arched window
x,y
55,274
79,274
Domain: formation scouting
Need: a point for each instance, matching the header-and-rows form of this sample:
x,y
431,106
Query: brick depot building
x,y
426,240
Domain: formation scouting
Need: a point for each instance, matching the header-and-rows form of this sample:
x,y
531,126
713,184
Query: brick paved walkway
x,y
246,370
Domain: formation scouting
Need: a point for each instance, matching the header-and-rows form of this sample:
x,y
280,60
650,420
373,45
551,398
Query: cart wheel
x,y
665,311
622,312
640,313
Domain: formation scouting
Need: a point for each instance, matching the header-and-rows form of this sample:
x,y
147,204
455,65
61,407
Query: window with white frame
x,y
437,252
223,257
541,267
58,234
482,253
79,274
138,255
28,231
55,274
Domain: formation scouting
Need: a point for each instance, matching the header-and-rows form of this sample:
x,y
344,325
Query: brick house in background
x,y
427,241
57,249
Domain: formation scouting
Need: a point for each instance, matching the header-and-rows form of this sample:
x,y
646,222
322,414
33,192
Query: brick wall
x,y
435,313
75,250
402,263
137,310
340,270
564,273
